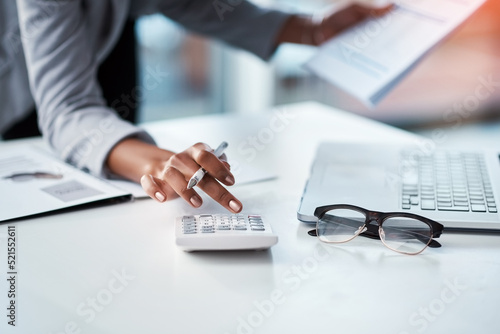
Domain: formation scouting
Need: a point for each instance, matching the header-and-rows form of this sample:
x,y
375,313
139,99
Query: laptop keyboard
x,y
447,181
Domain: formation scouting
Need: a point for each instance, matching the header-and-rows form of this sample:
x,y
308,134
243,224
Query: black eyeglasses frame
x,y
372,231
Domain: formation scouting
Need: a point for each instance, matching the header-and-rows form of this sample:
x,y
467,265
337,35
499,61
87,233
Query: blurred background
x,y
205,76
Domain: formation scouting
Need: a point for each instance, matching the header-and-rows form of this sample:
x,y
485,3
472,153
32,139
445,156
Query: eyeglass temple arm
x,y
375,235
372,232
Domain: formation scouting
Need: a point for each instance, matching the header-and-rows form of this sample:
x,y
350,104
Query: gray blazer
x,y
63,43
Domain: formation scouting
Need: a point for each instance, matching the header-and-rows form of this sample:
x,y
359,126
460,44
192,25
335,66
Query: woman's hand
x,y
164,175
335,22
315,31
173,178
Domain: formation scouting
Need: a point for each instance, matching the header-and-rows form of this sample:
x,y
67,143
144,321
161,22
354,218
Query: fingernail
x,y
159,196
235,206
229,179
196,201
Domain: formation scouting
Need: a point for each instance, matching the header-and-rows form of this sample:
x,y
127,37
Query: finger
x,y
223,158
177,181
382,10
365,11
184,163
228,166
152,189
188,167
215,190
213,165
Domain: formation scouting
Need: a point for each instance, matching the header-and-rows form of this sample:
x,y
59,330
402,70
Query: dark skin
x,y
164,174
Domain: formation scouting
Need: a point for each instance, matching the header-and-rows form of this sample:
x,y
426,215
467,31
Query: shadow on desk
x,y
219,269
78,207
240,257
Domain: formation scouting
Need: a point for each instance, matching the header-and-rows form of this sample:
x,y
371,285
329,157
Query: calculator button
x,y
208,231
189,231
257,228
207,226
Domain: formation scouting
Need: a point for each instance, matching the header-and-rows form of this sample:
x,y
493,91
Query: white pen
x,y
201,172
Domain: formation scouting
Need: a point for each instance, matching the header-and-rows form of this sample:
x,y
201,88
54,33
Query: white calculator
x,y
210,232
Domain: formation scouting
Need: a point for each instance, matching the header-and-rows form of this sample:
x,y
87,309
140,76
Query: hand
x,y
313,31
335,22
164,175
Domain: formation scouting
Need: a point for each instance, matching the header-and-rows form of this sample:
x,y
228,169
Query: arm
x,y
62,52
261,30
236,22
317,30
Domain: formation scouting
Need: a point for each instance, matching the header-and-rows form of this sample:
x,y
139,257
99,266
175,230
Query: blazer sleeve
x,y
61,59
236,22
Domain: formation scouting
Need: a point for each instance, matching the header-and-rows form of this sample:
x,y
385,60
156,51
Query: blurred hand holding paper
x,y
369,60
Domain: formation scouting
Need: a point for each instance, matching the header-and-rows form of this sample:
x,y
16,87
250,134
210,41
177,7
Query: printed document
x,y
32,182
370,59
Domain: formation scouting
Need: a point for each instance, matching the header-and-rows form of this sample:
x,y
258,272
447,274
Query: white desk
x,y
69,262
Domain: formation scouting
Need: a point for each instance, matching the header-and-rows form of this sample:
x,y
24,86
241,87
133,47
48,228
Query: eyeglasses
x,y
402,232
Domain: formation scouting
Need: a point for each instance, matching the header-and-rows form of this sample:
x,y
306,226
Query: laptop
x,y
458,188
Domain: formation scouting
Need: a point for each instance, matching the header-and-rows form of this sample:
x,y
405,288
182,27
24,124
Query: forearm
x,y
132,158
239,23
62,62
315,30
299,29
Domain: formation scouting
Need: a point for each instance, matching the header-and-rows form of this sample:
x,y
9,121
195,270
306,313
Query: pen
x,y
201,172
32,175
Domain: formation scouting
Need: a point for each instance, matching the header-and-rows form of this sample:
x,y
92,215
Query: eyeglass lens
x,y
401,234
340,225
405,235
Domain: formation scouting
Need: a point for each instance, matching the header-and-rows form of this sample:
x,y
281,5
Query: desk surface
x,y
116,269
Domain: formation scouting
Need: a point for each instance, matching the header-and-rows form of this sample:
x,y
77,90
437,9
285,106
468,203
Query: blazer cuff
x,y
89,149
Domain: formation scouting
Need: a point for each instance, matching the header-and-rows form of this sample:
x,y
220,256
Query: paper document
x,y
370,59
32,182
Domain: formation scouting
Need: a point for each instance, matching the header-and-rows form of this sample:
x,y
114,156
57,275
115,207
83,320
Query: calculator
x,y
213,232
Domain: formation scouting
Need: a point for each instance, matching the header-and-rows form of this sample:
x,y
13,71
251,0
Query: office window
x,y
181,64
